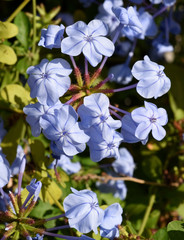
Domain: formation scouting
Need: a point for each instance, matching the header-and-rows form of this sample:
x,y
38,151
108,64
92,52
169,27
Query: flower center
x,y
153,120
160,73
93,204
44,75
110,145
103,118
88,38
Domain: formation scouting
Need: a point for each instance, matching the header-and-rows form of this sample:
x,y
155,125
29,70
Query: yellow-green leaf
x,y
8,30
15,94
7,55
50,193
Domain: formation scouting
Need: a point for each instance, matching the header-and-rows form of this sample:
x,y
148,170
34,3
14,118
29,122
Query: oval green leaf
x,y
8,30
7,55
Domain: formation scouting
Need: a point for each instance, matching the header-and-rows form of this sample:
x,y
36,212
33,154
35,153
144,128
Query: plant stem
x,y
20,7
147,213
34,26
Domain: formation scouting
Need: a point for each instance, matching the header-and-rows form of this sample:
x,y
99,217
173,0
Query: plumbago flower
x,y
4,170
88,39
51,37
132,27
152,80
103,145
35,112
66,164
95,112
124,164
64,130
83,211
49,80
112,218
150,118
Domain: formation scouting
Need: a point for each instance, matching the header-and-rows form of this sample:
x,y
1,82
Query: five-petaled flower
x,y
88,39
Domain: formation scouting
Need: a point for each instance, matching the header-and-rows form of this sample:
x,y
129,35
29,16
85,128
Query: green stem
x,y
34,27
147,213
20,7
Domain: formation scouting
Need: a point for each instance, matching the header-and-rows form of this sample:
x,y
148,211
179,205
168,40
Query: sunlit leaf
x,y
8,30
7,55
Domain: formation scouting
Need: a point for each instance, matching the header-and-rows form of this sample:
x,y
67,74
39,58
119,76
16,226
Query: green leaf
x,y
7,55
130,228
152,167
175,230
23,24
23,64
153,219
12,139
15,94
178,112
40,210
161,234
8,30
50,193
37,152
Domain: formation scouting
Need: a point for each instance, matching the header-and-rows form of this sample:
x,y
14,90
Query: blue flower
x,y
124,164
88,39
150,118
103,146
4,170
128,130
66,164
106,14
132,27
122,74
95,112
112,218
117,188
64,130
149,27
15,167
83,211
34,188
51,37
35,112
49,80
169,3
152,80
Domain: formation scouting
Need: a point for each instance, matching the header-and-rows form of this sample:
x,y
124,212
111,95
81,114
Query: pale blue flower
x,y
66,164
34,188
49,80
112,218
122,74
15,167
64,130
132,27
88,39
35,112
95,112
150,118
149,27
117,188
103,145
128,130
51,37
152,80
83,211
4,170
124,164
106,14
